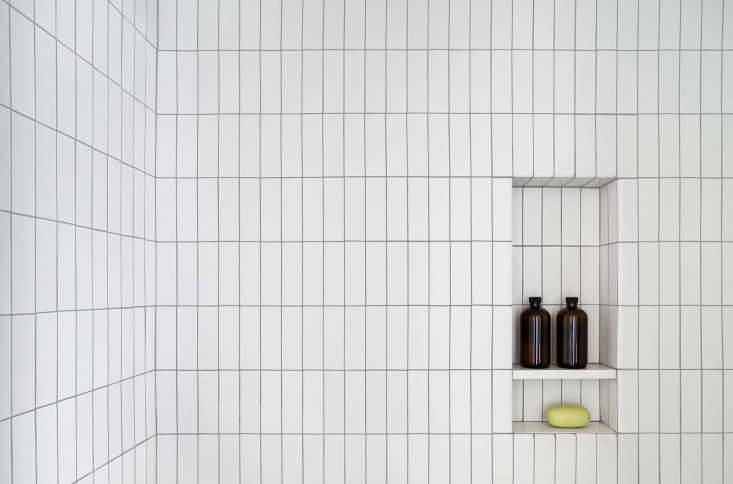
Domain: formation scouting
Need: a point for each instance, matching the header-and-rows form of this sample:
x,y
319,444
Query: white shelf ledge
x,y
593,371
545,428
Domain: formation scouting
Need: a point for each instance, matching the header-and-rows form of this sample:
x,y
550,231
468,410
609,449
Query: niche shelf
x,y
545,428
553,372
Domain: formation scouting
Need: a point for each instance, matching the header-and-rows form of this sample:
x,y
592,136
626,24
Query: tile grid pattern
x,y
371,317
680,137
664,236
556,254
77,104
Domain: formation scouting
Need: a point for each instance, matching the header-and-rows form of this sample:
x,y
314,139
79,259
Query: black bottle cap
x,y
535,301
571,301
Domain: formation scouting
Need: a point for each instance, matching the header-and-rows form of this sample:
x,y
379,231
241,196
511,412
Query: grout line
x,y
132,295
218,246
722,169
658,247
442,114
699,234
407,233
343,172
35,263
198,252
450,261
56,113
259,172
107,241
323,256
429,245
177,246
442,49
91,238
76,267
491,231
241,444
386,249
470,255
679,230
638,254
302,259
366,254
282,272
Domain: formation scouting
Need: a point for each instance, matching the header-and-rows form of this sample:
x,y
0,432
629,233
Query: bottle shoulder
x,y
534,312
572,313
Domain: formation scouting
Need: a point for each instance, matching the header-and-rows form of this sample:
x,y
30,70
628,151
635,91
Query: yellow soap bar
x,y
567,416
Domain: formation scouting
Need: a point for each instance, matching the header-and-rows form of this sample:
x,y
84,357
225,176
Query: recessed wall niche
x,y
561,248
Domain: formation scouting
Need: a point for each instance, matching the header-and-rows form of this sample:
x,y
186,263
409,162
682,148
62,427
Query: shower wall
x,y
271,241
77,139
334,213
334,244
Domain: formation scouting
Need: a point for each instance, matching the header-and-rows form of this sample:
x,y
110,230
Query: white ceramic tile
x,y
691,400
648,401
586,455
628,210
628,458
502,452
649,333
712,396
691,458
669,392
422,144
710,273
45,279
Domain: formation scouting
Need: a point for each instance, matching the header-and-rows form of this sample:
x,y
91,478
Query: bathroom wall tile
x,y
628,457
628,412
508,124
648,273
690,336
669,414
23,164
628,210
669,273
691,460
649,334
586,455
691,401
649,450
690,265
628,273
712,397
523,452
648,401
727,283
628,334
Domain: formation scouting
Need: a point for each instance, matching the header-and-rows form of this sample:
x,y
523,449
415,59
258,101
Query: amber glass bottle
x,y
534,335
572,335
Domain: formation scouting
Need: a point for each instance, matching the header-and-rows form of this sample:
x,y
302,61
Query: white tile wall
x,y
77,317
323,224
328,249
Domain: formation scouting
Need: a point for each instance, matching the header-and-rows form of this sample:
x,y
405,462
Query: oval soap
x,y
567,416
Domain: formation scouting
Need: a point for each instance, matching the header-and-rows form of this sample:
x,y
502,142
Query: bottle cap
x,y
535,300
571,301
